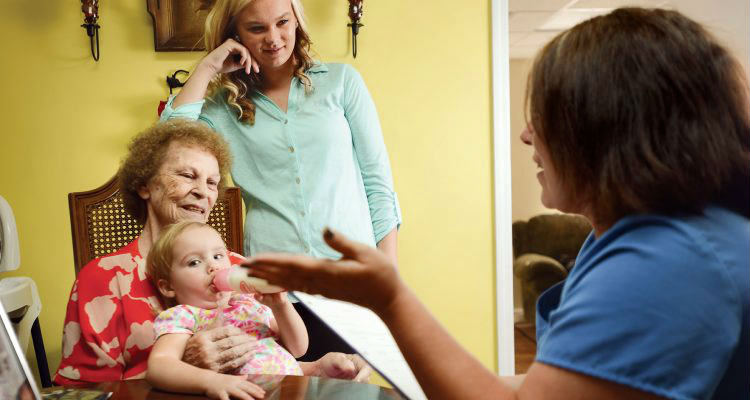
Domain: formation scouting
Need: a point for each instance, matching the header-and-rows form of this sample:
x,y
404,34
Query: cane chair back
x,y
100,225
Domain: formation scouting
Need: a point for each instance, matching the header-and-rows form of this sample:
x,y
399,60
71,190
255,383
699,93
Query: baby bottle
x,y
236,279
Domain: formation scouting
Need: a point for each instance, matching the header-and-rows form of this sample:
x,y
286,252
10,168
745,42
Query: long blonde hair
x,y
220,26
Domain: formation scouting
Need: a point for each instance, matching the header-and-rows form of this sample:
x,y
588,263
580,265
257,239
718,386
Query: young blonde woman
x,y
305,136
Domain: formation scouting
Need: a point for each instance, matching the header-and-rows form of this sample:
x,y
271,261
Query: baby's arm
x,y
167,371
287,323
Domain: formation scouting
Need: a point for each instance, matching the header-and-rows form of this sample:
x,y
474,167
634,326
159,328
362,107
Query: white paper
x,y
366,333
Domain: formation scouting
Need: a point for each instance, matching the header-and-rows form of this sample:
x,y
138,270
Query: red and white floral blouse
x,y
109,330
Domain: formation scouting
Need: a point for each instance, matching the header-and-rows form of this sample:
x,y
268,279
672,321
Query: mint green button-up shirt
x,y
322,163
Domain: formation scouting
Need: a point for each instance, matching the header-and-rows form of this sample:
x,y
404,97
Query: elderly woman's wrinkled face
x,y
184,188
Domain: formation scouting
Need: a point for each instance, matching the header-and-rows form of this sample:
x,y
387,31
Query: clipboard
x,y
368,335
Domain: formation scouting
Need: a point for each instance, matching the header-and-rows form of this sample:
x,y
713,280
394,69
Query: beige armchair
x,y
544,250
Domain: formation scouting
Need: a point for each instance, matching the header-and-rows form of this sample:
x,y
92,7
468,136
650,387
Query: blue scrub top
x,y
659,304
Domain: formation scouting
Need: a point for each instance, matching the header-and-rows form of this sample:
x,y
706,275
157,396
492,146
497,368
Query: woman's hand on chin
x,y
229,57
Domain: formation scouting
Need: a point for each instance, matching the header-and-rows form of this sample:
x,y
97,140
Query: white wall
x,y
525,186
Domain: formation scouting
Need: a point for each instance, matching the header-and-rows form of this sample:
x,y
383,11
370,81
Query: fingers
x,y
289,271
232,56
337,241
234,364
364,373
246,60
235,357
255,390
345,369
222,332
234,341
280,260
246,390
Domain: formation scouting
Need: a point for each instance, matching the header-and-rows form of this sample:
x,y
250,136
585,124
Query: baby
x,y
182,265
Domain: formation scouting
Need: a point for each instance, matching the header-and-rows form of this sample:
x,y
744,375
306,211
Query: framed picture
x,y
178,25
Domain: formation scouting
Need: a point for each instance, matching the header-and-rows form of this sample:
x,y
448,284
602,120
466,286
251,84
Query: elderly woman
x,y
173,172
639,122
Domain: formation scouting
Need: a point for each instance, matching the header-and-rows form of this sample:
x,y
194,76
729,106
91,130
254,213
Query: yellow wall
x,y
67,120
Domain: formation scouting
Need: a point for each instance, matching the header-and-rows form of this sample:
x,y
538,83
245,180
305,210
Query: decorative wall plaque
x,y
178,25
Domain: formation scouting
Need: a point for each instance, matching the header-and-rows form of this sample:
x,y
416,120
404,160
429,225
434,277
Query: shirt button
x,y
291,149
307,248
286,121
297,180
302,213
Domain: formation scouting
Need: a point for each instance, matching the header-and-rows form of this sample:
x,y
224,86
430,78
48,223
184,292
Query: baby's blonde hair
x,y
160,257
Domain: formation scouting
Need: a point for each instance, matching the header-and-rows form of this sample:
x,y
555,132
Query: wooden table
x,y
276,386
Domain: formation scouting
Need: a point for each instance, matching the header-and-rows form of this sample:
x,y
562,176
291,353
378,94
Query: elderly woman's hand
x,y
223,349
339,366
363,275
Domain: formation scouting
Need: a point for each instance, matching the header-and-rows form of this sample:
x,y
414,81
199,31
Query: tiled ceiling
x,y
535,22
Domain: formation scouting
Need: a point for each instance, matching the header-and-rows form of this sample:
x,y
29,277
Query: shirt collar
x,y
317,67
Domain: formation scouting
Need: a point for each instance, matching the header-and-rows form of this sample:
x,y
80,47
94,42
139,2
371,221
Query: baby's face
x,y
197,254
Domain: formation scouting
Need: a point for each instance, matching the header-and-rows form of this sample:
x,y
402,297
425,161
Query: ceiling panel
x,y
570,17
523,52
527,21
730,21
537,39
617,3
537,5
515,37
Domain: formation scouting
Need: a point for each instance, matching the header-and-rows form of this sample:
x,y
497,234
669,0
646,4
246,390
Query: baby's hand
x,y
273,300
223,386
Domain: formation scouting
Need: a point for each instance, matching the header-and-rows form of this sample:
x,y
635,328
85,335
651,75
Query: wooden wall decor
x,y
178,25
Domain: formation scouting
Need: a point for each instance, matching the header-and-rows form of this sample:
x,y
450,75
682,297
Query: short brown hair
x,y
642,111
146,154
159,259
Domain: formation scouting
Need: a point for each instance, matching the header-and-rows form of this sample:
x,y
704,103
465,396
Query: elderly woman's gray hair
x,y
146,154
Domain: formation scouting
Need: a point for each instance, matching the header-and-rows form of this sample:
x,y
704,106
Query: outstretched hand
x,y
363,275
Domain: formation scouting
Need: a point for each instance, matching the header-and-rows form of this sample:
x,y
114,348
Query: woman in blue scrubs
x,y
640,121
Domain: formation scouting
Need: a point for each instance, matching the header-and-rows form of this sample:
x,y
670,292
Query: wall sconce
x,y
173,82
90,10
355,14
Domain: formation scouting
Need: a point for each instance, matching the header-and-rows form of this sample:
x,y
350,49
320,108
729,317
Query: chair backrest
x,y
100,225
559,236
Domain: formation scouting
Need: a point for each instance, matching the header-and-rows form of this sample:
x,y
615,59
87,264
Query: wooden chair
x,y
100,225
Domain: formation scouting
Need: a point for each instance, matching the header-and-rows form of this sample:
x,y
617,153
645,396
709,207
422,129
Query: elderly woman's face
x,y
184,188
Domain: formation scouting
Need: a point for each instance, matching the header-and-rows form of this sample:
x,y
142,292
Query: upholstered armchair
x,y
544,250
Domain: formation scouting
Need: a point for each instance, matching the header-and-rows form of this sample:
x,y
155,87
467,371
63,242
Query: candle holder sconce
x,y
355,14
90,10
